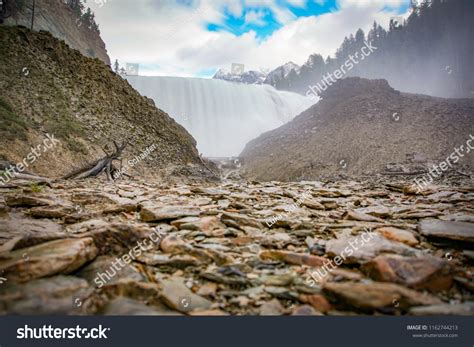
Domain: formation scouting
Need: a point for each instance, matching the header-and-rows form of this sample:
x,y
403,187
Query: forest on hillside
x,y
431,52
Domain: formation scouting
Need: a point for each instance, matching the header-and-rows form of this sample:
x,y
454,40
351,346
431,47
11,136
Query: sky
x,y
194,38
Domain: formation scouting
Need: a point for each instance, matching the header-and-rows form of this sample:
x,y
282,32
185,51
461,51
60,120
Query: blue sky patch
x,y
267,23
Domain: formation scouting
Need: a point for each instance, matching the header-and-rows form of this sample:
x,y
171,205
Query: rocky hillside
x,y
364,127
57,18
49,88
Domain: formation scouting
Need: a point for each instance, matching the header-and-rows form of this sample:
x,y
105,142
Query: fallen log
x,y
100,166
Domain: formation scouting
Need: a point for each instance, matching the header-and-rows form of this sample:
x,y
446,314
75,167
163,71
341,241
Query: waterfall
x,y
222,116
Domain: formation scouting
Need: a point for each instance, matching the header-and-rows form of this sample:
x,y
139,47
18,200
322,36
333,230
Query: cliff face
x,y
57,18
363,127
48,88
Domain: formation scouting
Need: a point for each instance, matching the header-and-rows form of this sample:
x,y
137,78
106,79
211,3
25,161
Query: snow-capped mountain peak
x,y
248,77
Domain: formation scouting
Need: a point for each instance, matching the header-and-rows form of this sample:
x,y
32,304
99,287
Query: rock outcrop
x,y
49,89
57,18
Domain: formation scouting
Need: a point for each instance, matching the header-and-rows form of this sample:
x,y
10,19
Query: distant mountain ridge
x,y
282,73
273,78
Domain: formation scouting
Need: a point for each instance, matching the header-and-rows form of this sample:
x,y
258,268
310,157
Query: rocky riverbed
x,y
237,248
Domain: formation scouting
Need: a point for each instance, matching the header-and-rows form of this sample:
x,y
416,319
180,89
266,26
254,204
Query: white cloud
x,y
173,40
255,17
297,3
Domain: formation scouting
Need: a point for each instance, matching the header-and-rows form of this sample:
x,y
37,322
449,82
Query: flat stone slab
x,y
424,272
47,259
177,296
375,296
237,220
355,249
151,213
456,231
399,235
25,200
52,295
294,258
101,271
29,230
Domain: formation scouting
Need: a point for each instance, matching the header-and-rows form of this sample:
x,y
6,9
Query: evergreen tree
x,y
430,53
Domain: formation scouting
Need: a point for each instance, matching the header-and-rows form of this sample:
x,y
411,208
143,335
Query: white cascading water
x,y
222,116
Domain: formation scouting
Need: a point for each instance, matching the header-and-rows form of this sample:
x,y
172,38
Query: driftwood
x,y
100,166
